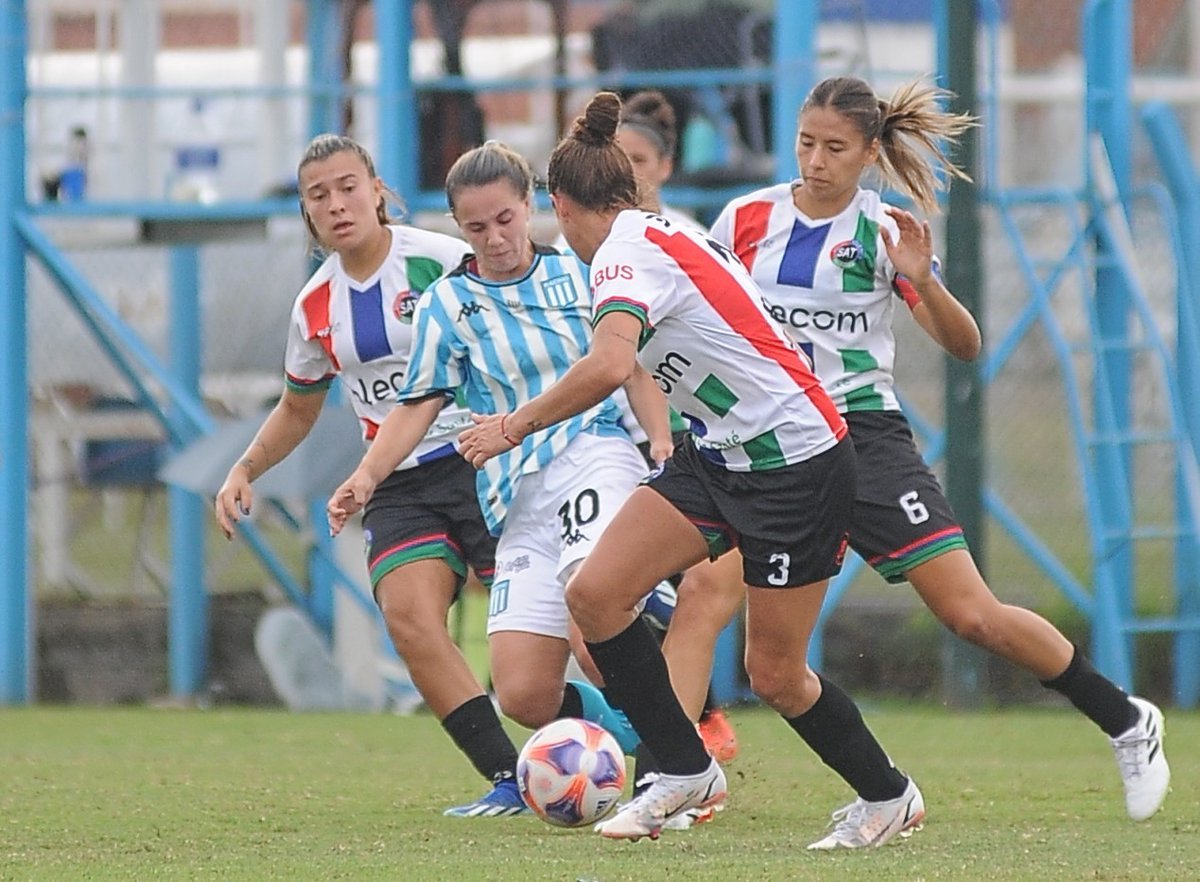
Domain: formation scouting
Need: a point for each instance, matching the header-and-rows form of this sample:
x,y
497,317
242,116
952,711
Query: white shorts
x,y
552,524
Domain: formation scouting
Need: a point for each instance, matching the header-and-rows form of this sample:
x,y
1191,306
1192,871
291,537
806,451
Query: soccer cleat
x,y
667,797
693,817
719,737
501,801
596,709
863,824
659,605
1143,765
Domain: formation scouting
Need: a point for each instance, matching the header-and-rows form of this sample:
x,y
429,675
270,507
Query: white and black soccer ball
x,y
571,773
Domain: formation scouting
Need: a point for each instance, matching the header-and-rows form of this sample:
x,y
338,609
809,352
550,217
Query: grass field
x,y
102,794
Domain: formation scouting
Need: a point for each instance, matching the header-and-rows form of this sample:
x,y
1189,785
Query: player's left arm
x,y
608,364
939,312
649,405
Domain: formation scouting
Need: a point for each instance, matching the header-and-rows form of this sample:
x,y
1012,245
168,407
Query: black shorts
x,y
677,438
429,512
901,516
790,523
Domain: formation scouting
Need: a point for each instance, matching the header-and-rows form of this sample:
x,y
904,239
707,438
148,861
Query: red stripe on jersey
x,y
750,228
320,325
370,429
731,302
904,288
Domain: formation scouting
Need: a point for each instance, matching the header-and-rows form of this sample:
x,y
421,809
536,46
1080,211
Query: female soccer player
x,y
833,261
767,467
506,323
423,527
648,134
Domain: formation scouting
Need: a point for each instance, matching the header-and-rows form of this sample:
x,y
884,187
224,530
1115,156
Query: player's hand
x,y
487,438
912,255
661,451
348,499
233,500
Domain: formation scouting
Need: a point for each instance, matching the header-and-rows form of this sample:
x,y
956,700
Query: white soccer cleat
x,y
667,797
692,818
1143,765
863,824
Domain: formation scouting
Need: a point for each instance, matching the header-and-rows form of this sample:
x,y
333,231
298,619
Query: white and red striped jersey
x,y
363,331
829,282
748,395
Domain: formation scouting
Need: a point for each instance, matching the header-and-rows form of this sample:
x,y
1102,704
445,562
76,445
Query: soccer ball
x,y
571,773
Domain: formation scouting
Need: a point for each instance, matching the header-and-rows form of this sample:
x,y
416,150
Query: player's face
x,y
832,154
494,219
649,167
341,199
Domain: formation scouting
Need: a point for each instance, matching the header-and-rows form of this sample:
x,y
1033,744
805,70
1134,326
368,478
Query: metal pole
x,y
964,667
187,625
397,149
1107,38
324,67
795,49
1171,147
16,619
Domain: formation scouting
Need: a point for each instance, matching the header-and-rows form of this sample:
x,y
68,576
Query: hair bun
x,y
598,124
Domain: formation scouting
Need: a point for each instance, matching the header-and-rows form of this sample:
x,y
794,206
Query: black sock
x,y
476,729
710,703
1098,698
572,703
834,728
636,676
644,764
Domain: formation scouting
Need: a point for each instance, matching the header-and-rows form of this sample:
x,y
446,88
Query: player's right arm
x,y
288,423
398,436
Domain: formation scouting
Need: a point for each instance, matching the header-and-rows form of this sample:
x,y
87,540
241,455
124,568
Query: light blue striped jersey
x,y
504,343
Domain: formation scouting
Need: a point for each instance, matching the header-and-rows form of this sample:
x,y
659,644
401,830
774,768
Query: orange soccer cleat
x,y
719,737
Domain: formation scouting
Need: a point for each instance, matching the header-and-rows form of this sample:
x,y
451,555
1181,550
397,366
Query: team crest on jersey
x,y
559,291
845,254
404,306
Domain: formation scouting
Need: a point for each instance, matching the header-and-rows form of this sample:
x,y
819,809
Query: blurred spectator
x,y
69,184
725,130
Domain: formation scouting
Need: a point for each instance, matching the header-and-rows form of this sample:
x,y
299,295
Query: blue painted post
x,y
1107,35
187,620
324,66
1174,156
398,118
16,620
321,572
795,52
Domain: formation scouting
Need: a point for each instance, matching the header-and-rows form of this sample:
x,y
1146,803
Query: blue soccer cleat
x,y
502,801
659,605
596,709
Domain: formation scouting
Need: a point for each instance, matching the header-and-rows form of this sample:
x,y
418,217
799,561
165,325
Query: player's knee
x,y
582,594
527,704
770,680
409,623
970,624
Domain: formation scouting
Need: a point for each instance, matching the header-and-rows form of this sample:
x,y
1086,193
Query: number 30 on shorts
x,y
584,510
914,508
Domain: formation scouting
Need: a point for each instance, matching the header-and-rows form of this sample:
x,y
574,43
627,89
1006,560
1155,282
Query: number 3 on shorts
x,y
783,561
914,508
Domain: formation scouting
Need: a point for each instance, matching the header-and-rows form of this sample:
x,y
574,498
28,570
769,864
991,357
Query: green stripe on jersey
x,y
865,398
859,361
422,271
764,452
626,306
860,275
719,397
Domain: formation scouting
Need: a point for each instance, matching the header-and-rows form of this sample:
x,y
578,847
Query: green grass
x,y
99,794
